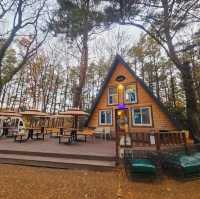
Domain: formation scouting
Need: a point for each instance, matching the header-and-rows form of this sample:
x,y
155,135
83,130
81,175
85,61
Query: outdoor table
x,y
55,132
20,137
67,136
75,112
31,130
74,134
87,133
7,128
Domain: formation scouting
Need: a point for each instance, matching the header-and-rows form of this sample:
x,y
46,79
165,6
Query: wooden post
x,y
143,140
157,133
117,139
185,141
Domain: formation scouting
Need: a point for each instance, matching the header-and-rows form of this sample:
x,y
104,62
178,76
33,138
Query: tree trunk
x,y
191,102
157,81
17,91
4,91
172,84
77,101
142,70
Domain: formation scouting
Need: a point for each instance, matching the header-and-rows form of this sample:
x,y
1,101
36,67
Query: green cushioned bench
x,y
143,166
189,165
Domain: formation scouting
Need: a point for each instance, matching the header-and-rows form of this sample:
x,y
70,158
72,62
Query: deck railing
x,y
158,139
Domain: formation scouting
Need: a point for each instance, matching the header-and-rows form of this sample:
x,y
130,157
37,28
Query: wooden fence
x,y
158,139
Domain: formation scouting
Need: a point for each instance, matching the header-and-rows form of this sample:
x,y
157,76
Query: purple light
x,y
121,106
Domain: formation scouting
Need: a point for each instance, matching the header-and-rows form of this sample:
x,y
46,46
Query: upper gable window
x,y
112,96
130,94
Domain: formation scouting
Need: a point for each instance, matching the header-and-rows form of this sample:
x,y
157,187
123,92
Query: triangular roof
x,y
119,60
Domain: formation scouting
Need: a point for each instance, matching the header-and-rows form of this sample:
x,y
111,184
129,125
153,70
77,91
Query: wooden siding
x,y
159,119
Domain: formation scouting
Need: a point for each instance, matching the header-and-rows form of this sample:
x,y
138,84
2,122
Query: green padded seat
x,y
197,155
143,166
190,164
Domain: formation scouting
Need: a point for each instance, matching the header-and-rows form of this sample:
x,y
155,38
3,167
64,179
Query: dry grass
x,y
17,182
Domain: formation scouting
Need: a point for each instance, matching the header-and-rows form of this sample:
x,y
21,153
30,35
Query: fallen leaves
x,y
20,182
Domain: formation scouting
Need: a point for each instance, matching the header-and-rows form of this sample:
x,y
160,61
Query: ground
x,y
18,182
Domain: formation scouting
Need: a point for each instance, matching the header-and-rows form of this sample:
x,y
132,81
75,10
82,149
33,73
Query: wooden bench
x,y
54,132
21,137
38,135
87,133
66,137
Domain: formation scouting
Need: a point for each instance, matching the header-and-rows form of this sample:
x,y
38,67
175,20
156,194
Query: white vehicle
x,y
13,124
1,126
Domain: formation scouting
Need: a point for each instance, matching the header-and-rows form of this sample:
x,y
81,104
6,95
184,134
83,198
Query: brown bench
x,y
21,137
87,133
66,137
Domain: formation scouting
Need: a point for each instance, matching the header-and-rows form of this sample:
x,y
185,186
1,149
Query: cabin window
x,y
142,116
112,96
105,117
130,94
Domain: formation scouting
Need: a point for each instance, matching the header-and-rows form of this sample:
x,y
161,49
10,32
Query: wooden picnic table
x,y
23,136
66,136
70,134
74,134
6,129
9,127
31,132
87,133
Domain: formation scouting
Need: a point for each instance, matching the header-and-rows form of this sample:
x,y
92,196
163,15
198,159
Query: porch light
x,y
120,86
119,113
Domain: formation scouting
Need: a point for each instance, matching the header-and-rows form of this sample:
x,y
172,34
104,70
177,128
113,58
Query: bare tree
x,y
24,16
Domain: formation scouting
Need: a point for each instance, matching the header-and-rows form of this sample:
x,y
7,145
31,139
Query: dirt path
x,y
17,182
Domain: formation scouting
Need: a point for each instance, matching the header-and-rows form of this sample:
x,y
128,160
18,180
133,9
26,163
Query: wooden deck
x,y
49,153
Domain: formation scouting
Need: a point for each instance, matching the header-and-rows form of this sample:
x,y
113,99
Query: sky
x,y
100,45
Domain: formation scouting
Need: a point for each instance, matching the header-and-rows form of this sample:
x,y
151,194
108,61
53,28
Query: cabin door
x,y
122,131
122,121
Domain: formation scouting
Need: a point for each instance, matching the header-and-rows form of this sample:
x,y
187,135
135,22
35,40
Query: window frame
x,y
136,96
142,124
108,96
106,124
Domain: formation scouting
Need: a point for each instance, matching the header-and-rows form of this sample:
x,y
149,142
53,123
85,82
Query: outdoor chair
x,y
21,136
87,133
10,131
48,130
38,134
107,133
141,165
55,132
99,131
66,137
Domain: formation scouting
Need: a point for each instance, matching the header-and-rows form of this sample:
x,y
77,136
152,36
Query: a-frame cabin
x,y
124,100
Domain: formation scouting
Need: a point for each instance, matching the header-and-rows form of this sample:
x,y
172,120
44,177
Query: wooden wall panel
x,y
160,119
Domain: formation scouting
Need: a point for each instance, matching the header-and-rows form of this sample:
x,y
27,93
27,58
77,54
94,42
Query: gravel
x,y
20,182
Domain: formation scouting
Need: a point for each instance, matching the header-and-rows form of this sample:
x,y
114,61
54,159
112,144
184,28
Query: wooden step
x,y
59,155
56,162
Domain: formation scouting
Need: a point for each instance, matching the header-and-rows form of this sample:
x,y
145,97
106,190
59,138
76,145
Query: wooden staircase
x,y
55,160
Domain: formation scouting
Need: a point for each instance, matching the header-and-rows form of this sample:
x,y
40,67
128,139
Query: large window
x,y
112,96
142,116
130,94
105,117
